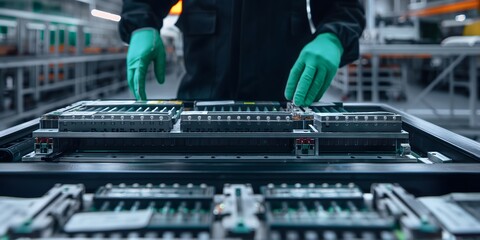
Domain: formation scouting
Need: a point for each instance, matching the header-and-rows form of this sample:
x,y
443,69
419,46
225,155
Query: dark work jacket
x,y
244,49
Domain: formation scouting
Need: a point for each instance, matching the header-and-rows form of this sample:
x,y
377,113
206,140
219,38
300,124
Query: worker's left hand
x,y
314,70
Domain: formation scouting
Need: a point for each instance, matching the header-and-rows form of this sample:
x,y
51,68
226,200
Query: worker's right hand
x,y
146,46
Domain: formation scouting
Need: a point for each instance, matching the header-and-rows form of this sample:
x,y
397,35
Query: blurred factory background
x,y
56,52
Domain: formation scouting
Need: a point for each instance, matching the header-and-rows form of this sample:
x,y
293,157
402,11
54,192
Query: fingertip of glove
x,y
288,95
160,80
298,101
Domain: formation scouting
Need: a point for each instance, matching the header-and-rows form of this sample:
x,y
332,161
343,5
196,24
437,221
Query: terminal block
x,y
230,116
204,121
321,107
358,122
238,106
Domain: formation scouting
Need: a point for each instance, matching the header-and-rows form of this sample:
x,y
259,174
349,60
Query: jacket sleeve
x,y
142,13
345,19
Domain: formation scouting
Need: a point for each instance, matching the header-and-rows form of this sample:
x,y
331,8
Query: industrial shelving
x,y
392,80
89,76
50,60
370,80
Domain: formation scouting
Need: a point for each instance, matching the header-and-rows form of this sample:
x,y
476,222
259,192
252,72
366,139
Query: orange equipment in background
x,y
176,9
463,5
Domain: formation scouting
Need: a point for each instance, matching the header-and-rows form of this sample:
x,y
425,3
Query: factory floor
x,y
435,107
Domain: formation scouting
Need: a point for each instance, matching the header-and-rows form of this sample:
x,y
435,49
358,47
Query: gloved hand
x,y
314,70
146,46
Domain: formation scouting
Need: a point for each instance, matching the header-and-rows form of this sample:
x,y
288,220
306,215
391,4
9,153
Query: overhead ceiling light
x,y
460,18
105,15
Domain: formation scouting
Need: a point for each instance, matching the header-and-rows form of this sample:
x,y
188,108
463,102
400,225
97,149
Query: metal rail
x,y
56,134
36,71
18,62
471,53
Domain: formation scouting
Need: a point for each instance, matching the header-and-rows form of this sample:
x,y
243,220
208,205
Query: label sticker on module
x,y
108,221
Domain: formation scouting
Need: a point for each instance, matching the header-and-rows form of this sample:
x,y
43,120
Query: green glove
x,y
146,46
314,70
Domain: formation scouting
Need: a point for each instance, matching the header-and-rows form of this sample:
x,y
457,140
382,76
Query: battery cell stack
x,y
323,212
118,116
230,116
149,211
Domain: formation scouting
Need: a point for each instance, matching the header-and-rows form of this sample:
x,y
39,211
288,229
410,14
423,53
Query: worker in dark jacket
x,y
246,49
